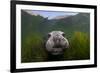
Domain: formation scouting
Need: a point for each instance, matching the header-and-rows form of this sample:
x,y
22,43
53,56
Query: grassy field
x,y
33,48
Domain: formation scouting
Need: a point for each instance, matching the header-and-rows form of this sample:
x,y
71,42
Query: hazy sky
x,y
52,14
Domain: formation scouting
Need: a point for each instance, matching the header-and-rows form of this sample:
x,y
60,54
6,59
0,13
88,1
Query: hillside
x,y
38,24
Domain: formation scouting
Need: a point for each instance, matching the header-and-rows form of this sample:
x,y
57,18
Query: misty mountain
x,y
34,23
60,17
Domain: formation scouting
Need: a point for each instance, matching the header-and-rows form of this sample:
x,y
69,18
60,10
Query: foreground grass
x,y
33,48
79,47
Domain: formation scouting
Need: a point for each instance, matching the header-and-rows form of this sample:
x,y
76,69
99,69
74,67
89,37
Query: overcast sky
x,y
52,14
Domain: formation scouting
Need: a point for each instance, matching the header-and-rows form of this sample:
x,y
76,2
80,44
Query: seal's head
x,y
56,42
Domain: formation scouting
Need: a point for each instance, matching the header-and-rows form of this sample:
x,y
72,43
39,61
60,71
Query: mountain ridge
x,y
41,25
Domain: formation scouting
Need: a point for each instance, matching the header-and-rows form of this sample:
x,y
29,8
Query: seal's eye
x,y
49,35
63,34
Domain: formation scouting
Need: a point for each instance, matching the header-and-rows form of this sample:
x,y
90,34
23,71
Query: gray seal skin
x,y
56,42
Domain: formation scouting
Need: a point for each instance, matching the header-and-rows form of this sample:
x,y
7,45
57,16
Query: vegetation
x,y
32,49
79,47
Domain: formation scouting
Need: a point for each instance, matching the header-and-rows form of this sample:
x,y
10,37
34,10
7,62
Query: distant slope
x,y
30,23
37,24
79,22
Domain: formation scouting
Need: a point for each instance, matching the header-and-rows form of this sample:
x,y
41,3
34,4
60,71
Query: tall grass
x,y
79,47
33,48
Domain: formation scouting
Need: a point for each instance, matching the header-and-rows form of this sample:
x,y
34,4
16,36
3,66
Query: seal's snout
x,y
56,39
57,42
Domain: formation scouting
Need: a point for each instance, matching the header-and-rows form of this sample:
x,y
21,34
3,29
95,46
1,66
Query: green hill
x,y
38,24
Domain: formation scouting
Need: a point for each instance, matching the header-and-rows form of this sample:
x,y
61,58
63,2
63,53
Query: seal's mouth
x,y
57,51
58,46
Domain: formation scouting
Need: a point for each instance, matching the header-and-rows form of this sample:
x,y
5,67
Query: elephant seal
x,y
56,42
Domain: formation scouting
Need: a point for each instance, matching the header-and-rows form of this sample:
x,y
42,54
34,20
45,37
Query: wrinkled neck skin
x,y
55,57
